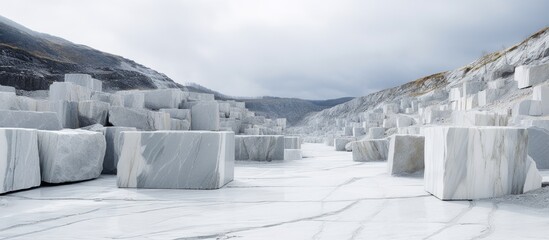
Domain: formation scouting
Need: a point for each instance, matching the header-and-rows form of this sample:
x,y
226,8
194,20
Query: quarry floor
x,y
323,196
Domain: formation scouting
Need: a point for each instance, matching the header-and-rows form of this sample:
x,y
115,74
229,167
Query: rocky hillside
x,y
532,50
32,61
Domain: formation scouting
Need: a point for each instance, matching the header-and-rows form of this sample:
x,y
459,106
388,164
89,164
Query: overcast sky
x,y
311,49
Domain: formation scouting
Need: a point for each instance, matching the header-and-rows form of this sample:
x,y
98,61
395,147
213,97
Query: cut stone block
x,y
376,133
224,107
24,104
391,108
259,147
455,94
84,80
7,100
230,124
7,89
251,131
347,131
473,163
163,98
70,155
538,146
181,125
205,116
115,100
472,87
406,154
472,102
112,137
92,112
181,114
292,143
370,150
340,143
19,161
132,98
24,119
69,92
527,107
188,160
139,118
193,96
358,131
528,76
503,71
541,93
432,116
404,121
488,96
475,118
292,154
66,111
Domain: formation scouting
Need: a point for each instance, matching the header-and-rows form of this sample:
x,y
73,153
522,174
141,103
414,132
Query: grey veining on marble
x,y
70,155
259,147
92,112
27,119
370,150
84,80
66,111
477,162
176,159
139,118
19,162
112,152
291,142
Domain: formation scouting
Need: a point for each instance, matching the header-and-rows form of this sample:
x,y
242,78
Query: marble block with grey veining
x,y
84,80
24,119
132,98
139,118
92,112
181,114
112,137
176,159
341,142
164,98
538,146
66,111
259,147
370,150
19,161
405,154
291,142
292,154
69,92
70,155
205,116
477,162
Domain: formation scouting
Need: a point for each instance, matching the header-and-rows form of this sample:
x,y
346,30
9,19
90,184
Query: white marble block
x,y
92,112
472,87
19,161
477,118
527,107
230,124
488,96
132,98
112,99
432,116
69,92
163,98
205,116
25,104
84,80
292,142
7,89
538,146
455,94
370,150
66,111
541,93
24,119
181,125
404,121
188,160
528,76
7,100
112,152
259,147
193,96
292,154
376,133
359,131
406,153
181,114
139,118
341,142
70,155
478,162
224,107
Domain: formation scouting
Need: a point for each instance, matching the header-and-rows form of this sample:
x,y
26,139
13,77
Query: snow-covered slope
x,y
533,50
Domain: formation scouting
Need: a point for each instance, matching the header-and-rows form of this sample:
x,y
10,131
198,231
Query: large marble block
x,y
205,116
7,89
292,142
370,150
181,114
181,125
132,98
477,118
488,96
538,146
404,121
84,80
230,124
112,99
259,147
139,118
92,112
541,93
292,154
25,119
528,76
406,153
224,107
481,162
19,161
432,115
472,87
163,98
341,142
23,103
70,155
359,131
69,92
112,138
455,94
527,107
194,96
376,133
66,111
7,100
187,160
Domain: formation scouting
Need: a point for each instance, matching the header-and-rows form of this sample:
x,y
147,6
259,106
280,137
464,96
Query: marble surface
x,y
66,111
92,112
70,155
370,150
541,93
163,98
259,147
176,159
68,91
25,119
292,154
84,80
477,162
291,142
323,196
538,146
406,154
112,152
181,114
139,118
341,142
132,98
205,116
19,162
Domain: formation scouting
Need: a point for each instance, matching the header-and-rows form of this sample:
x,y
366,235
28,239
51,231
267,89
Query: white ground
x,y
324,196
